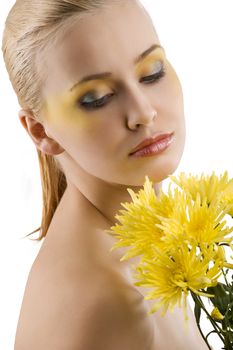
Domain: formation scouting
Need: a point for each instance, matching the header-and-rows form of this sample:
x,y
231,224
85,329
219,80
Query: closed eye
x,y
153,77
103,101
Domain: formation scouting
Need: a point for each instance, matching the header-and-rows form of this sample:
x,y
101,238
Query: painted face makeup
x,y
149,62
76,103
64,107
93,94
99,120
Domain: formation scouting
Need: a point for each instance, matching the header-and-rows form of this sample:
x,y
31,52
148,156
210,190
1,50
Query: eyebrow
x,y
104,75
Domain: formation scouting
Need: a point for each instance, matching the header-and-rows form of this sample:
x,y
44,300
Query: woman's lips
x,y
156,146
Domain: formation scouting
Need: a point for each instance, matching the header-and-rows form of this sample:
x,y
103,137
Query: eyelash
x,y
100,103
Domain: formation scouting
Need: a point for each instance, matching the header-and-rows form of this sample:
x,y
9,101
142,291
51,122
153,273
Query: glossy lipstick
x,y
153,146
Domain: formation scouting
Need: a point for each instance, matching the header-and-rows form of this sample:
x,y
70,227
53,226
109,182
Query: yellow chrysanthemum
x,y
179,235
196,222
139,222
208,186
172,277
137,227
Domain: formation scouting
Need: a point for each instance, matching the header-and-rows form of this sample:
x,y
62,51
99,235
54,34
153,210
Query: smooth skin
x,y
79,296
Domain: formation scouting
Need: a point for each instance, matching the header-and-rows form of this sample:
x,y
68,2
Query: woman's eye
x,y
92,103
149,79
88,102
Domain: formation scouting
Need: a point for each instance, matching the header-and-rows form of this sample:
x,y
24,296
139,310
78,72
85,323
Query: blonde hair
x,y
31,28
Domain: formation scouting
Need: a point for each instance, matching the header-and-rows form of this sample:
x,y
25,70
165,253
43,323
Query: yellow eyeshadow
x,y
59,111
62,106
148,63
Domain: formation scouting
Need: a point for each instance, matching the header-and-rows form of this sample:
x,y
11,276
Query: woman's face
x,y
99,120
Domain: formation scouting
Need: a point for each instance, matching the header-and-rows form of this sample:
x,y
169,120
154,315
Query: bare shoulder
x,y
118,321
86,312
51,311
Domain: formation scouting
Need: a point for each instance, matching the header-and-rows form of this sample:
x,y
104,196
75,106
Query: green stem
x,y
203,336
228,345
217,329
214,324
207,335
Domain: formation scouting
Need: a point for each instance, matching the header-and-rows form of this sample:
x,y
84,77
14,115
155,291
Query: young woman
x,y
93,82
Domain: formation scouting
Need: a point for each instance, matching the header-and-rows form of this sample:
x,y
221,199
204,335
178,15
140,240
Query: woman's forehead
x,y
96,43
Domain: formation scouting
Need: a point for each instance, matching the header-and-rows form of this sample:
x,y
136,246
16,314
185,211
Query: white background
x,y
197,36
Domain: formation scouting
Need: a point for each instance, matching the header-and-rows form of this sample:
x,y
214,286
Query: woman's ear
x,y
38,134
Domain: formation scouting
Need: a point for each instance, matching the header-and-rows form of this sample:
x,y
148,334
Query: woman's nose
x,y
140,110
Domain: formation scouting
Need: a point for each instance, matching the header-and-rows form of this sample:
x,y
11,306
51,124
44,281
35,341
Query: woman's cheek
x,y
61,112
